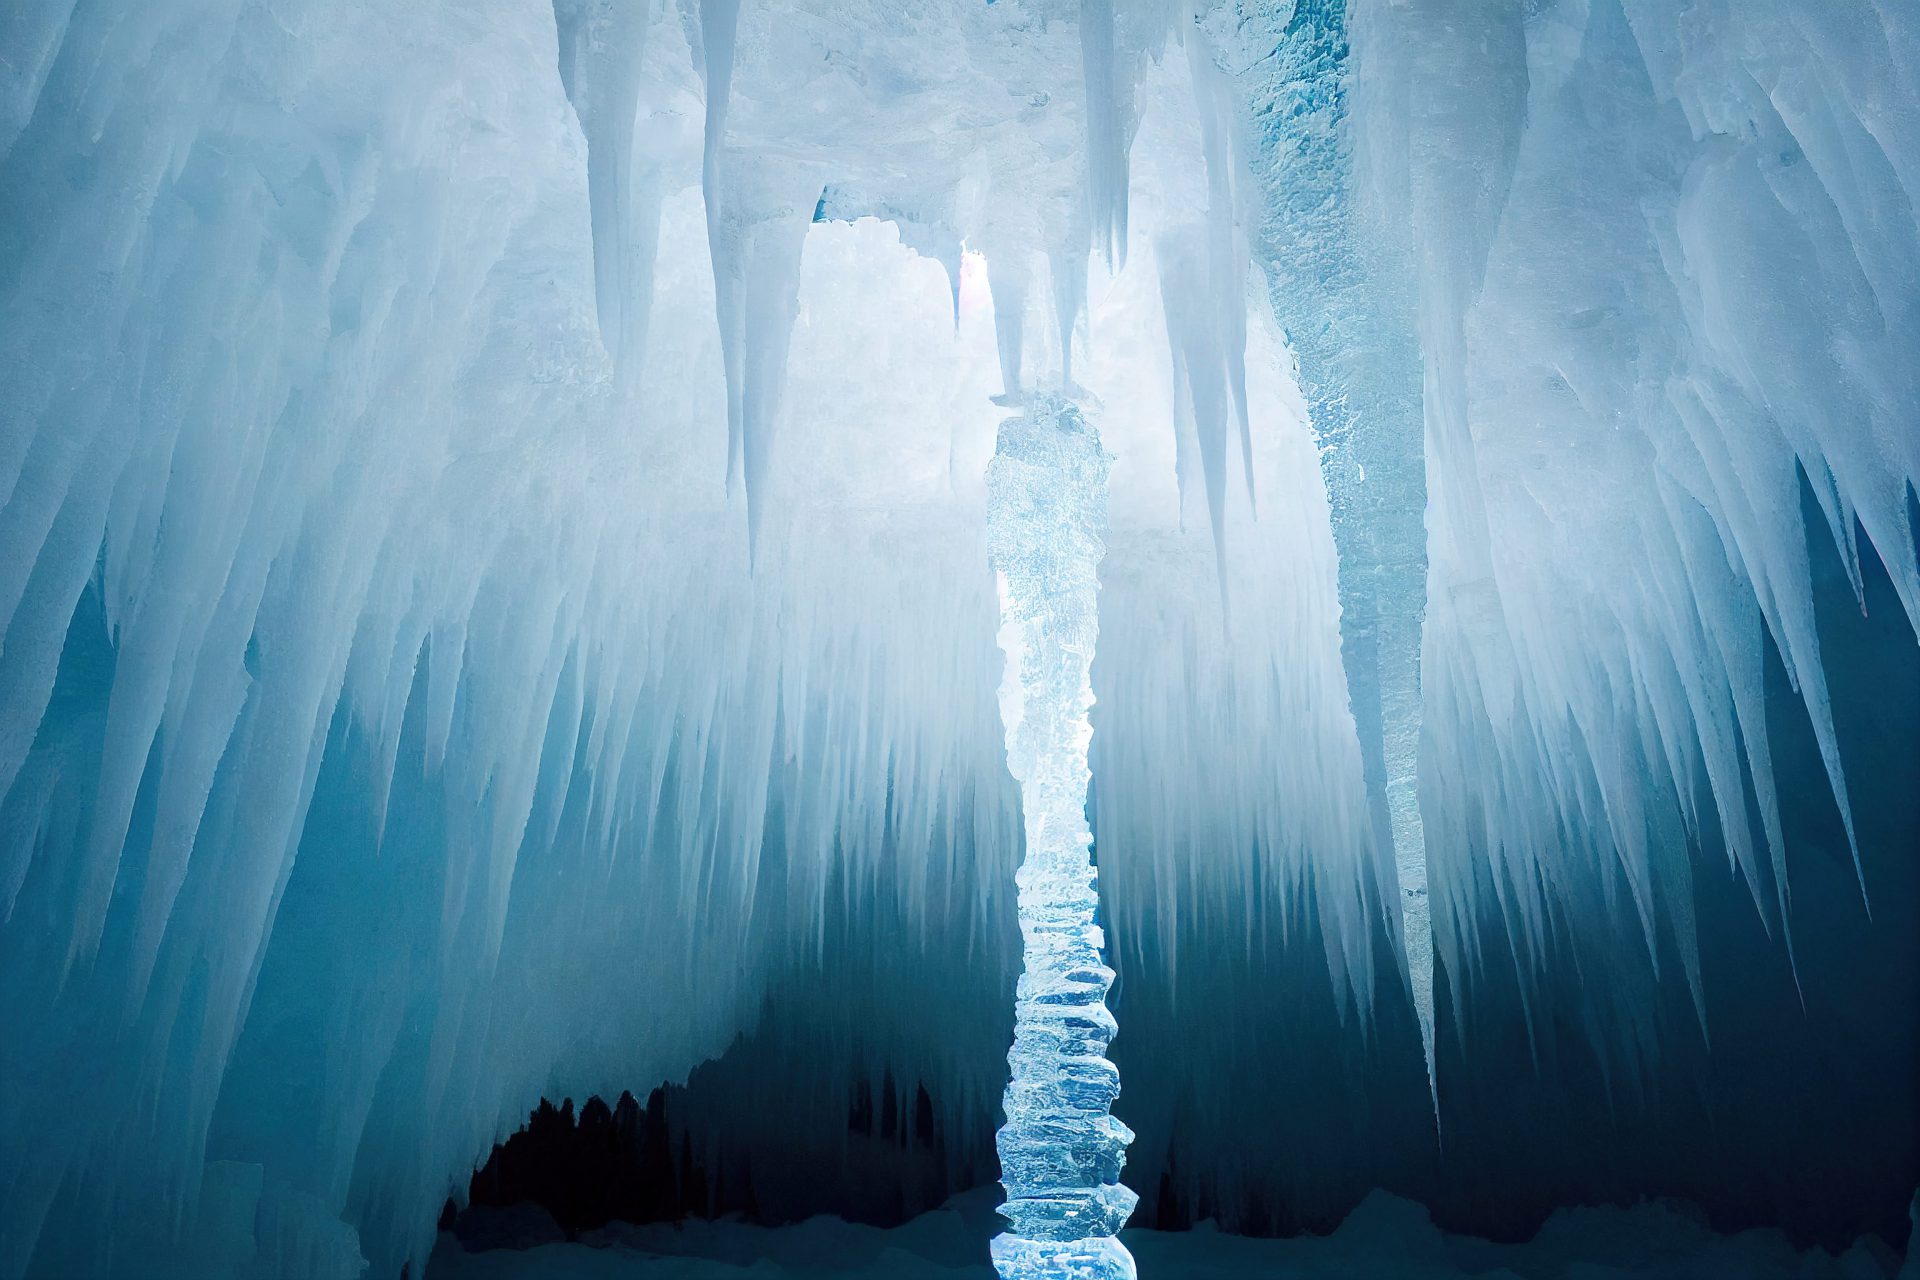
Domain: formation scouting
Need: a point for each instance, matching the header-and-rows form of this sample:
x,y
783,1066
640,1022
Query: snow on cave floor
x,y
1386,1238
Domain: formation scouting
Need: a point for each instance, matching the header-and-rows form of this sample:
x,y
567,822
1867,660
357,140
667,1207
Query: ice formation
x,y
1060,1149
1342,279
493,597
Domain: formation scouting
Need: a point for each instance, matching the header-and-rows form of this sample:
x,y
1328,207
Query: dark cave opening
x,y
569,1171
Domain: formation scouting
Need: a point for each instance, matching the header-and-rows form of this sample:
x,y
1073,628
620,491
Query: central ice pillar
x,y
1060,1149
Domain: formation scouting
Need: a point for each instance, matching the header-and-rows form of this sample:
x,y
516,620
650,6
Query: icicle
x,y
602,44
1193,332
1226,246
1106,131
719,24
760,207
1007,280
1068,269
1185,441
1341,297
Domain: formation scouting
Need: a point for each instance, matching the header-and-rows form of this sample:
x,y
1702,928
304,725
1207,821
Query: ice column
x,y
1060,1149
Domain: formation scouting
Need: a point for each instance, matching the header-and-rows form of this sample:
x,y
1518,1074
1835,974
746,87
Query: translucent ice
x,y
1060,1149
1337,249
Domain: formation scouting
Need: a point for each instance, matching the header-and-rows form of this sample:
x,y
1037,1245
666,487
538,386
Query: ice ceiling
x,y
494,582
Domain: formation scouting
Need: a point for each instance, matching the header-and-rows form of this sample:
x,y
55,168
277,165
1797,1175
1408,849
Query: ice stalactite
x,y
1203,276
1007,278
1060,1149
1106,131
1444,173
602,44
759,205
764,208
1335,244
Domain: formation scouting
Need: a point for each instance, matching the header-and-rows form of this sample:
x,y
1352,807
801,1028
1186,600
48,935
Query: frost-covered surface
x,y
392,728
1386,1238
1061,1150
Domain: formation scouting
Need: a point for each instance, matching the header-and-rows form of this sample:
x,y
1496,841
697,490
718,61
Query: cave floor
x,y
1386,1238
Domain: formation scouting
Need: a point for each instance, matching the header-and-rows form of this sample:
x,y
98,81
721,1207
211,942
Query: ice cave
x,y
959,639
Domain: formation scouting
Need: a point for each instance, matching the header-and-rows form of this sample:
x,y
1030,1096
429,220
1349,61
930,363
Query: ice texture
x,y
1666,261
1060,1148
394,728
1339,263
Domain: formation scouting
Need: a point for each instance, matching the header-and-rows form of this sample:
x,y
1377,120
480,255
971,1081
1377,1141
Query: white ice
x,y
489,586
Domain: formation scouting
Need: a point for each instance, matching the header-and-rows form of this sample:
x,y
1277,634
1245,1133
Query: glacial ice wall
x,y
493,587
